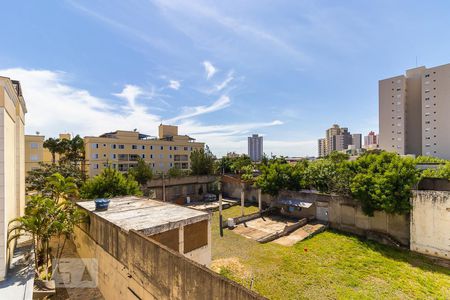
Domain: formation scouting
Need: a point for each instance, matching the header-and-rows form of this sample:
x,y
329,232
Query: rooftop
x,y
145,215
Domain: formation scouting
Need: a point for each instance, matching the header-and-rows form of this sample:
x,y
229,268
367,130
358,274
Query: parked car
x,y
209,197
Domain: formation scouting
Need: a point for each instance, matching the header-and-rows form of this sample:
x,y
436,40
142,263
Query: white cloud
x,y
189,112
130,93
54,106
174,84
209,69
225,83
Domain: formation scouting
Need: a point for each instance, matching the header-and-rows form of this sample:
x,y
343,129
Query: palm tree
x,y
54,146
60,187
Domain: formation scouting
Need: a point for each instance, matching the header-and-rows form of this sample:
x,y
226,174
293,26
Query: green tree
x,y
110,183
60,187
175,172
48,214
54,146
142,172
274,177
202,162
239,163
247,173
36,180
73,150
383,182
441,171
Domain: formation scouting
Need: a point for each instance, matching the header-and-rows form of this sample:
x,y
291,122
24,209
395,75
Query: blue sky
x,y
220,69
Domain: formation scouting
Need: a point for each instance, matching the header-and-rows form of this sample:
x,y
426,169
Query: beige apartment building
x,y
12,163
36,153
414,110
122,149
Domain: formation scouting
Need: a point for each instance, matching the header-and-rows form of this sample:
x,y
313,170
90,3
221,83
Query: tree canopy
x,y
202,162
142,172
110,183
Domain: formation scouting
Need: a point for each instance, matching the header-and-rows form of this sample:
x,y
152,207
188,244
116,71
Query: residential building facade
x,y
122,149
413,112
337,139
371,141
35,152
255,147
12,163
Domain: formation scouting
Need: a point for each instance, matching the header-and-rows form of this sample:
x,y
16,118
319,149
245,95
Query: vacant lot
x,y
327,266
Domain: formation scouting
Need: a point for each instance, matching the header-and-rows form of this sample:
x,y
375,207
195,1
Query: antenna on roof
x,y
37,132
135,129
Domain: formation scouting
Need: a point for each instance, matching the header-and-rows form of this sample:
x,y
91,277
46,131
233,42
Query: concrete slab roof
x,y
146,215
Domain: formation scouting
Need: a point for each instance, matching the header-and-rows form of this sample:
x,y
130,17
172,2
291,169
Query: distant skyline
x,y
221,70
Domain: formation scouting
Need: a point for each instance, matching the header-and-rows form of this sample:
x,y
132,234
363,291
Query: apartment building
x,y
122,149
35,152
413,112
338,139
255,147
371,141
12,163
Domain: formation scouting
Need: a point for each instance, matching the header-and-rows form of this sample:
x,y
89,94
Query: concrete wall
x,y
150,270
430,223
177,189
12,172
340,212
346,214
231,188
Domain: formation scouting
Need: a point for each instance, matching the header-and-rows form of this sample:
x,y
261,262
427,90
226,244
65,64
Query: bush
x,y
383,182
110,183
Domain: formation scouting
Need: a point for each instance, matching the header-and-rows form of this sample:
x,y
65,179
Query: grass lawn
x,y
329,265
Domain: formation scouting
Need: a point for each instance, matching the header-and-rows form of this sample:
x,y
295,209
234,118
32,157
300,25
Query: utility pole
x,y
220,209
163,187
242,200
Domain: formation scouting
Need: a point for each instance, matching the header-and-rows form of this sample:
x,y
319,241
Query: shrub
x,y
110,183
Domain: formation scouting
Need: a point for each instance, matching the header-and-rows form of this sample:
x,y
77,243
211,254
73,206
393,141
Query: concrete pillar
x,y
259,200
242,200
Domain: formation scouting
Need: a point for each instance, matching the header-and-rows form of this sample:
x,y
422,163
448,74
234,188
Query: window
x,y
427,75
95,166
113,146
143,147
34,157
427,91
161,156
151,147
185,148
143,155
113,156
95,146
34,145
134,147
104,145
161,147
171,165
121,146
95,155
151,155
170,147
161,165
175,148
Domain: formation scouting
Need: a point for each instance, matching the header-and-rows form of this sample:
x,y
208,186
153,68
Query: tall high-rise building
x,y
12,163
337,139
371,141
357,140
413,112
255,147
